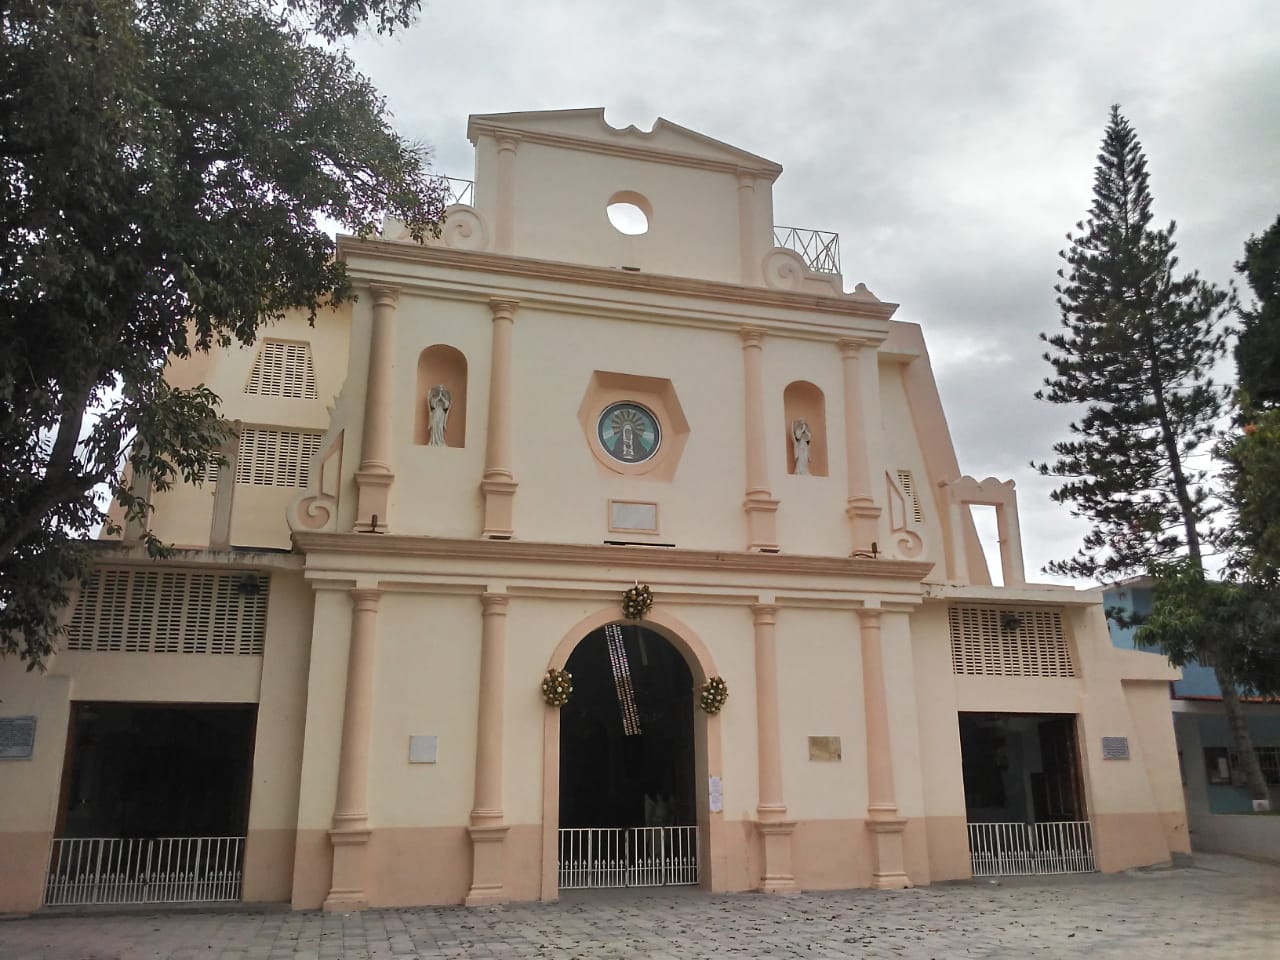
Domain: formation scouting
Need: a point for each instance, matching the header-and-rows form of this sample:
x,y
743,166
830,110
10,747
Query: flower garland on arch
x,y
714,694
557,686
637,601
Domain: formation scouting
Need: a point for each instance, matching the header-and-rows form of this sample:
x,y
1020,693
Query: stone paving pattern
x,y
1220,907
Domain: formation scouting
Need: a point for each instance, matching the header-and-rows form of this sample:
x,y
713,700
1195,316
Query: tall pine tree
x,y
1137,345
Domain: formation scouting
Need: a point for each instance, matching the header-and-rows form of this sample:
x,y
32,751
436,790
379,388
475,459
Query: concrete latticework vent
x,y
170,611
283,369
1004,642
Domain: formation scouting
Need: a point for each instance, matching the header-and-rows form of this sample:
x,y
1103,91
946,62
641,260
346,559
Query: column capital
x,y
365,599
746,179
870,616
508,143
764,614
494,604
850,346
384,295
751,336
502,308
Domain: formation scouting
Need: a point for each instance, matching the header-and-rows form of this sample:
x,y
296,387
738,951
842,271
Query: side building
x,y
333,694
1212,778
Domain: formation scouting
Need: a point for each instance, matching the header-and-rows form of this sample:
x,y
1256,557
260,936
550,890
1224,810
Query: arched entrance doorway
x,y
627,778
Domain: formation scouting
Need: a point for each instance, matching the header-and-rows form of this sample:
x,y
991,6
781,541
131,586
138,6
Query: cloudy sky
x,y
951,146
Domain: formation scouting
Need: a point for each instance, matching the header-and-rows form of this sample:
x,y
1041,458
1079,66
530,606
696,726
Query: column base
x,y
777,876
350,853
486,866
864,518
373,487
889,870
499,508
762,523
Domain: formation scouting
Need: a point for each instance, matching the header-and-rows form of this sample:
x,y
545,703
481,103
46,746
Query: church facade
x,y
574,554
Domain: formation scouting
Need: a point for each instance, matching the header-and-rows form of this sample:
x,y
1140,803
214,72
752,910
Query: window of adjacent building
x,y
270,457
283,369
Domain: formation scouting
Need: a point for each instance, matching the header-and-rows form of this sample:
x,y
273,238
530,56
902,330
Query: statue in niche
x,y
800,439
439,400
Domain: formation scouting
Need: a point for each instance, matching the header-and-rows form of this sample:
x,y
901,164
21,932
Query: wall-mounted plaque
x,y
824,748
1115,748
422,748
17,738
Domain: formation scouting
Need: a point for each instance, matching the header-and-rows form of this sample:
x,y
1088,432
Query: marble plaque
x,y
632,516
17,738
1115,748
422,749
824,748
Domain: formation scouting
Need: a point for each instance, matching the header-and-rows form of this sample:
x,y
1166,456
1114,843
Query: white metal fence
x,y
1008,849
627,857
158,870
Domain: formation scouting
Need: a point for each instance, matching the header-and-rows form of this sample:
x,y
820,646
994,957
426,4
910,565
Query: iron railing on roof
x,y
819,248
460,191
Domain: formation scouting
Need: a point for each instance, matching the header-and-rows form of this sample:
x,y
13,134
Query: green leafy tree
x,y
1137,343
162,170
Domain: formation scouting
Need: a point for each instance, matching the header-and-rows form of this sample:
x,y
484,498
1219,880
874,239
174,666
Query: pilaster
x,y
224,491
499,484
861,508
488,831
760,507
374,476
749,256
771,811
886,826
350,832
504,214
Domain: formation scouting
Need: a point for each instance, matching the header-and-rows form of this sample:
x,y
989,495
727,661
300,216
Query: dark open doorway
x,y
157,770
1021,768
620,768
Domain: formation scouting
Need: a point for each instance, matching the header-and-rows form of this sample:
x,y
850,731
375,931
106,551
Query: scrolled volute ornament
x,y
714,694
557,686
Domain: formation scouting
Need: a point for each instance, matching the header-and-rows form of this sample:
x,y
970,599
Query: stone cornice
x,y
442,548
849,305
110,552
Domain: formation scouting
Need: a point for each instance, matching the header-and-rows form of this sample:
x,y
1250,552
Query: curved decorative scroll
x,y
464,228
316,508
904,528
786,270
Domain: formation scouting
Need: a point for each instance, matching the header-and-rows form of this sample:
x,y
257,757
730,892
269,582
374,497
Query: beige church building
x,y
618,424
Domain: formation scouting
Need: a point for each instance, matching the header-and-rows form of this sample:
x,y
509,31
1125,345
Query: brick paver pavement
x,y
1221,907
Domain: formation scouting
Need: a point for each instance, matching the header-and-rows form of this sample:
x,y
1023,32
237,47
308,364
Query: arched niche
x,y
441,363
803,400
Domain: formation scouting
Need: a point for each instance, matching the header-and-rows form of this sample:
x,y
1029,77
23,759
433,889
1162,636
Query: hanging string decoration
x,y
622,680
557,685
637,601
714,693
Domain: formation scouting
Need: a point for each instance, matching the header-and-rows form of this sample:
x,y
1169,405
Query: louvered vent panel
x,y
283,369
1007,642
909,488
275,458
152,611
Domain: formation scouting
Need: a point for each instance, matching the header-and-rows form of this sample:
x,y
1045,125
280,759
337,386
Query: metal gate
x,y
1023,849
627,857
151,870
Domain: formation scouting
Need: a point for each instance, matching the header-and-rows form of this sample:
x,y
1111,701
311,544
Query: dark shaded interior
x,y
1021,768
172,770
609,779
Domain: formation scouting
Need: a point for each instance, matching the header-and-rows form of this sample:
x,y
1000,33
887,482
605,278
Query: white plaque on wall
x,y
17,738
422,749
715,794
633,516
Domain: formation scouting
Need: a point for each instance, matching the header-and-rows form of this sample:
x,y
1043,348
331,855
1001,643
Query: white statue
x,y
800,438
439,400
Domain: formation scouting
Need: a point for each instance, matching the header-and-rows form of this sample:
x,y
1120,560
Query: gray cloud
x,y
951,146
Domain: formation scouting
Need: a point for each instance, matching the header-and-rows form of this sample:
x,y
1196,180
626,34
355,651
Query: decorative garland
x,y
557,685
622,680
714,693
637,601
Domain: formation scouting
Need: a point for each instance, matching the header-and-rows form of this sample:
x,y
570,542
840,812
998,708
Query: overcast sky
x,y
951,146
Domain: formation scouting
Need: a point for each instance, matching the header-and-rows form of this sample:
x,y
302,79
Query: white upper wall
x,y
545,179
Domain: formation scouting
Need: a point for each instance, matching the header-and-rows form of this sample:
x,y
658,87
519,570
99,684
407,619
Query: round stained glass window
x,y
628,432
